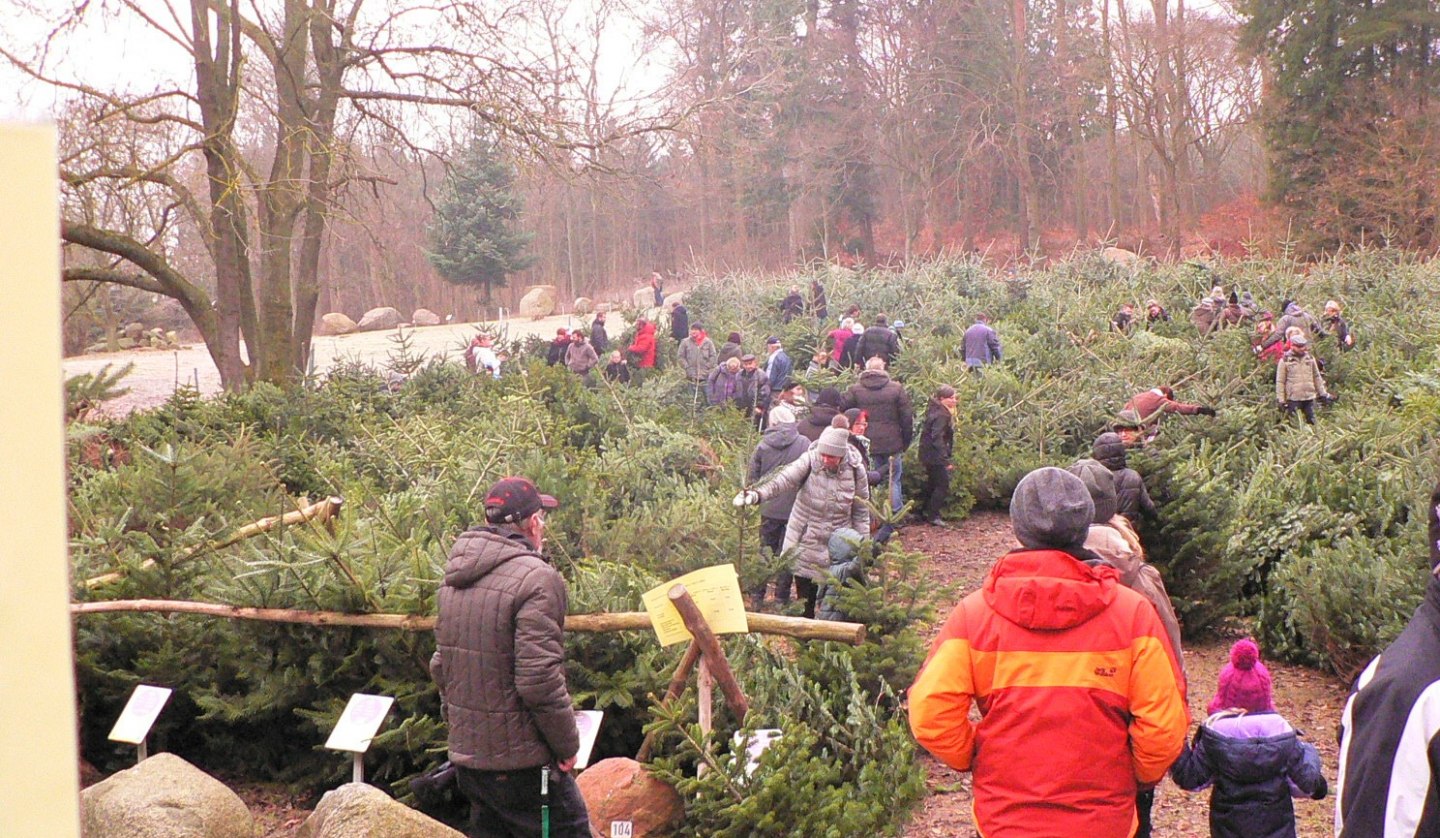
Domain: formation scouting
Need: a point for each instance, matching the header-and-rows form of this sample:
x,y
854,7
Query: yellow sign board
x,y
716,591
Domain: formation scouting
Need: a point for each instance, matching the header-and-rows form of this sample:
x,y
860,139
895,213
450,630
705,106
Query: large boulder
x,y
356,809
538,302
1120,257
620,789
644,298
425,317
583,305
380,319
672,300
163,797
134,331
336,323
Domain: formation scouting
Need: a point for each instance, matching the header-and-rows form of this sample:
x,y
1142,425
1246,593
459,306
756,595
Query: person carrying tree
x,y
1152,405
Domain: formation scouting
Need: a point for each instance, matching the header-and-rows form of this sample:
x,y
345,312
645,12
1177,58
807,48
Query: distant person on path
x,y
1254,760
754,395
850,353
1294,315
599,338
500,667
892,422
779,446
838,337
1338,326
826,405
982,344
1298,382
830,494
1389,779
937,444
1131,499
655,285
1155,313
1081,701
679,322
698,355
778,365
793,305
617,370
642,349
879,342
558,347
817,301
723,383
1152,405
1124,319
732,348
580,357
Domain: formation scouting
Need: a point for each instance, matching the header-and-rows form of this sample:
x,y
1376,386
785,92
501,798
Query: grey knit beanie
x,y
1051,509
834,441
1100,483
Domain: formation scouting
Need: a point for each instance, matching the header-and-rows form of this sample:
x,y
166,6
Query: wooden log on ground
x,y
325,510
796,627
713,655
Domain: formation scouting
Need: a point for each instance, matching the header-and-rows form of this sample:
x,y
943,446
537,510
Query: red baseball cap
x,y
514,499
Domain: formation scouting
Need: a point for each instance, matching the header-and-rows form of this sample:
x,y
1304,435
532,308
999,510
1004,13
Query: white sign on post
x,y
359,723
139,714
587,722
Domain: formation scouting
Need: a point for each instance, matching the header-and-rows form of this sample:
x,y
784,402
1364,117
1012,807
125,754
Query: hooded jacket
x,y
644,345
1294,315
982,345
500,658
819,419
845,567
1390,729
1256,763
779,446
679,322
1080,700
892,419
580,358
937,435
824,503
729,349
1131,499
599,338
1298,378
697,358
879,340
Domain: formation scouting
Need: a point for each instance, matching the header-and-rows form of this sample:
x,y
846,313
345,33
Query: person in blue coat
x,y
778,367
1254,759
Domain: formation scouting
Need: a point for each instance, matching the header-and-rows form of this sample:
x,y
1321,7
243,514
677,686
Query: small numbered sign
x,y
139,714
359,723
622,829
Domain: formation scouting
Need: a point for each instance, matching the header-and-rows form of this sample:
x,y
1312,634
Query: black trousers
x,y
807,589
506,804
1306,407
937,489
1144,802
772,535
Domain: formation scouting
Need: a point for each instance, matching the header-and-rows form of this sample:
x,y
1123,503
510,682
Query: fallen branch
x,y
796,627
322,511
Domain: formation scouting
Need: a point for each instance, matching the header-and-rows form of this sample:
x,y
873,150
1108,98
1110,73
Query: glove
x,y
1282,405
1205,411
748,498
1332,398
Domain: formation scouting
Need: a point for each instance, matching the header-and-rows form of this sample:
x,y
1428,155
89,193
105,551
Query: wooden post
x,y
677,686
710,650
705,696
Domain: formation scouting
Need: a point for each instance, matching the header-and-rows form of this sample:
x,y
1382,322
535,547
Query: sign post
x,y
357,727
138,717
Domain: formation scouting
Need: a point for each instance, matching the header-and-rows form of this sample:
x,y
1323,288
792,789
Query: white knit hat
x,y
781,414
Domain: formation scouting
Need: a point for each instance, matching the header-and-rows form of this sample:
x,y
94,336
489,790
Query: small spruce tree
x,y
475,237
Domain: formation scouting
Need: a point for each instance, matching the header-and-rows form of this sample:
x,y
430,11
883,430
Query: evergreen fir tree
x,y
475,237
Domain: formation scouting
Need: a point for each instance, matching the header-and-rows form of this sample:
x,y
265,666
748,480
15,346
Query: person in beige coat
x,y
1298,382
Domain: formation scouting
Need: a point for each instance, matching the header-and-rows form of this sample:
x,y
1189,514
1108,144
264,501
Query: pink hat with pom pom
x,y
1244,681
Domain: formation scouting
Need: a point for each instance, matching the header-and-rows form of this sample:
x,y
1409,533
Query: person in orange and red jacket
x,y
1080,697
1153,404
643,348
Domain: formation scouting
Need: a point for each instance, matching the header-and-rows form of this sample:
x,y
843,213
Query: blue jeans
x,y
891,464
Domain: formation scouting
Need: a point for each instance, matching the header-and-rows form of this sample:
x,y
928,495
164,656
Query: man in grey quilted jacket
x,y
500,666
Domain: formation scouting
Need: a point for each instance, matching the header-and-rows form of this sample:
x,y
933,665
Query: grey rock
x,y
336,323
380,319
425,317
163,797
356,810
538,302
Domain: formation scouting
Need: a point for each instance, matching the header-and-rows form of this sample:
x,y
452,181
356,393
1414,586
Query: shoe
x,y
935,522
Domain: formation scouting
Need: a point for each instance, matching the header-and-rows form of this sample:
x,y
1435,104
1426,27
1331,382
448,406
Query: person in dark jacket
x,y
1131,499
1124,319
617,370
1253,758
937,443
1389,735
879,341
731,348
850,352
778,365
982,344
846,566
793,305
826,405
1338,326
599,338
817,300
558,347
1155,313
892,421
658,288
500,667
779,446
679,322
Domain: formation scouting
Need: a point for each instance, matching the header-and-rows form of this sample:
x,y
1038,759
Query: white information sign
x,y
588,723
622,829
139,714
755,745
359,723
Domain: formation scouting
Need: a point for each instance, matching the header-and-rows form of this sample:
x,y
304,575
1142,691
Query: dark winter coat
x,y
937,435
556,353
817,301
982,345
618,371
1256,762
850,353
500,659
819,419
845,567
892,420
680,322
729,349
792,306
778,368
1341,330
879,340
779,446
599,338
1130,495
753,391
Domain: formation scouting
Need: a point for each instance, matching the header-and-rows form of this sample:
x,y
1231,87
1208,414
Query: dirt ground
x,y
1310,700
159,372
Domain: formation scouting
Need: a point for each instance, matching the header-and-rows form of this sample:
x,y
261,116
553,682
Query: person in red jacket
x,y
643,348
1153,404
1080,698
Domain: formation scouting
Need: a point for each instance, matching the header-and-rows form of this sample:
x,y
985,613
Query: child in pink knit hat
x,y
1244,682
